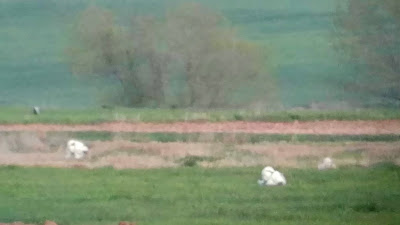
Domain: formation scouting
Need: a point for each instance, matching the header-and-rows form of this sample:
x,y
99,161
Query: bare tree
x,y
101,47
192,42
148,41
215,60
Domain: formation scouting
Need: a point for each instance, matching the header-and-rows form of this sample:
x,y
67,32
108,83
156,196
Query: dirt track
x,y
313,127
131,155
38,149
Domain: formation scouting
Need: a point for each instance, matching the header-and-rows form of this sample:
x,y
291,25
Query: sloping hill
x,y
296,34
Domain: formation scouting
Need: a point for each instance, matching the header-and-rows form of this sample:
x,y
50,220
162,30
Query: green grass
x,y
97,115
296,35
195,195
236,138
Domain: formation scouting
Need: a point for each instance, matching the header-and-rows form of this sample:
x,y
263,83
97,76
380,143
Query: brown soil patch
x,y
126,223
31,146
307,127
16,223
49,222
125,154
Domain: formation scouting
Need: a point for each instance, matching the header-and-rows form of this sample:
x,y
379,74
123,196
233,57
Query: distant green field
x,y
296,35
10,115
351,195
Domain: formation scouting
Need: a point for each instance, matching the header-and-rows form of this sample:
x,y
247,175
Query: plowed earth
x,y
307,127
36,148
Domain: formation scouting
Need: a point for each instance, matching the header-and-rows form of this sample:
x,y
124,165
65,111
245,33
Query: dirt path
x,y
33,149
131,155
311,127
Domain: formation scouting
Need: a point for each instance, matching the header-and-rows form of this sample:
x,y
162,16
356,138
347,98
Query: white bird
x,y
267,172
36,110
76,149
326,164
271,177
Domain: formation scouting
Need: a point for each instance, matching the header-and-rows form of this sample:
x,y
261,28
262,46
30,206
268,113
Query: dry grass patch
x,y
40,149
27,142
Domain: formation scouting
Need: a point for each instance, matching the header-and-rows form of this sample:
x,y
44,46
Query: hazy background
x,y
296,34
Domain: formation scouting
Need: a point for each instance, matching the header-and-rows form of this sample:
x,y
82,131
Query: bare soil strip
x,y
307,127
36,149
131,155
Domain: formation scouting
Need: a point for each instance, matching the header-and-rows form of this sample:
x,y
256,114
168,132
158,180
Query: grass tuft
x,y
193,160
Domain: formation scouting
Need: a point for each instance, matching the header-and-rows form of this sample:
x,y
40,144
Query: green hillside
x,y
33,35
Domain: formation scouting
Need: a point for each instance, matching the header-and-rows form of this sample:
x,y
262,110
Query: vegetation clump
x,y
190,58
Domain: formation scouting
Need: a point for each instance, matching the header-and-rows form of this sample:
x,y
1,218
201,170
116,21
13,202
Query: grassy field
x,y
10,115
297,38
352,195
218,137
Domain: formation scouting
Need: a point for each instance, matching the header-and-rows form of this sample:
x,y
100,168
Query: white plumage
x,y
267,172
76,149
36,110
326,164
271,177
